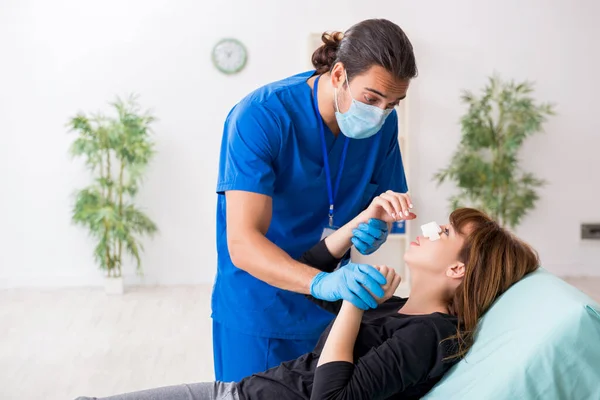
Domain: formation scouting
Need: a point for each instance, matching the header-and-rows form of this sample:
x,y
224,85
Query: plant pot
x,y
113,285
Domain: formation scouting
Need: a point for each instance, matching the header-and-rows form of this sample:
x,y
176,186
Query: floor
x,y
60,344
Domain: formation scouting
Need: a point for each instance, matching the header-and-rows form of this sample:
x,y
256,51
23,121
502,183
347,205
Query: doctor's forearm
x,y
262,259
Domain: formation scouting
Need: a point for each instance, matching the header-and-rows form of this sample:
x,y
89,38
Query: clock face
x,y
229,56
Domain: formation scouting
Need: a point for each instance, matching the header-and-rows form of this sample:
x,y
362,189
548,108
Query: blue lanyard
x,y
332,193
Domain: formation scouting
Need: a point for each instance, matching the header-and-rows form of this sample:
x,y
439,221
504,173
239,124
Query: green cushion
x,y
540,340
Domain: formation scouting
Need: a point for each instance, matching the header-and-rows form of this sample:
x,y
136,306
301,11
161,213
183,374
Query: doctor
x,y
299,157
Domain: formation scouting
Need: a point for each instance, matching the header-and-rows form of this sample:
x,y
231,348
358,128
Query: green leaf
x,y
138,221
484,168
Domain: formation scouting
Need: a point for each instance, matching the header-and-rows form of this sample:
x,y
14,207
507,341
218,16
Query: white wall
x,y
64,56
553,43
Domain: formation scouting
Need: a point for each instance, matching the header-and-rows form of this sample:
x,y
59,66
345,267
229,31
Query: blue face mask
x,y
361,120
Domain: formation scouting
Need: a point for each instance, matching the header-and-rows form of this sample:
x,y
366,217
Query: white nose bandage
x,y
431,230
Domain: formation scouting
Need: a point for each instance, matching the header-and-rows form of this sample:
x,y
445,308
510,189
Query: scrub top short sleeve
x,y
250,144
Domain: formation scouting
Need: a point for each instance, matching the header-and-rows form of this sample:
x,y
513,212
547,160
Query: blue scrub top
x,y
271,145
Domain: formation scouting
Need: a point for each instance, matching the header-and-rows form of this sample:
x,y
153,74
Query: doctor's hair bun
x,y
324,57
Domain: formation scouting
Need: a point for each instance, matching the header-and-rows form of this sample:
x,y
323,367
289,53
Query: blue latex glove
x,y
345,283
367,238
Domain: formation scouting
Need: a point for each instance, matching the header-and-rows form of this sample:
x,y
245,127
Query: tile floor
x,y
60,344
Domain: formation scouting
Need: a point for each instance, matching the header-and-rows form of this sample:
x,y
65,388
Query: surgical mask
x,y
361,120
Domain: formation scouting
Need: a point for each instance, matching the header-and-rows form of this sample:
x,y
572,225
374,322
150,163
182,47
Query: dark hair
x,y
366,44
494,260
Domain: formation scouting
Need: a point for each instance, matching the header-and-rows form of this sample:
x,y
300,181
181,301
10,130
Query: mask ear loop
x,y
335,98
348,83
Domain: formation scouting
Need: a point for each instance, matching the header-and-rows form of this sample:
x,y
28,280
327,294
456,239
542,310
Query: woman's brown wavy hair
x,y
494,260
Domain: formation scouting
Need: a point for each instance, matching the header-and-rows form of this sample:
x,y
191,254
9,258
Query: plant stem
x,y
102,191
120,188
109,264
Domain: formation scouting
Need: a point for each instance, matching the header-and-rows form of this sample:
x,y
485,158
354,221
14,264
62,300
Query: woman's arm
x,y
340,241
384,207
327,254
342,337
412,356
339,345
408,358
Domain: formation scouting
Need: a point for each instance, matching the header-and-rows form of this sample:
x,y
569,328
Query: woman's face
x,y
438,255
376,87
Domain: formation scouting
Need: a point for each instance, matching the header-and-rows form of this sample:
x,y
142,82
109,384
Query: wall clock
x,y
229,56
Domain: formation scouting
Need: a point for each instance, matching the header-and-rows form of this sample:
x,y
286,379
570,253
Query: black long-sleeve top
x,y
396,356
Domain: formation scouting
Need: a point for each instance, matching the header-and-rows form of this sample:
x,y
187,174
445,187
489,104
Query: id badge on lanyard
x,y
331,192
328,230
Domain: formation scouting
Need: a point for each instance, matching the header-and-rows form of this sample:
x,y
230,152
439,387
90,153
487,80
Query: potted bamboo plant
x,y
485,166
116,149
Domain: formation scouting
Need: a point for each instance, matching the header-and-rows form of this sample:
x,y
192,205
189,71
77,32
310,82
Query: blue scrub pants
x,y
238,355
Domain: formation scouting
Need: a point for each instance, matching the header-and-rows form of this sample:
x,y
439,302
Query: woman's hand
x,y
372,231
390,207
392,282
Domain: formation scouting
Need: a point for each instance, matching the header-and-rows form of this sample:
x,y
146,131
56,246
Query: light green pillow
x,y
540,340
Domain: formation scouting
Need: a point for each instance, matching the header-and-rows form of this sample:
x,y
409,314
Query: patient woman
x,y
403,347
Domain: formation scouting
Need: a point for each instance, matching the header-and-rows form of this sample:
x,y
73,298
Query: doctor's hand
x,y
356,283
369,236
384,209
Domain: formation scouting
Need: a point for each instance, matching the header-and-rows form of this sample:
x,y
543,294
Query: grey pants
x,y
193,391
